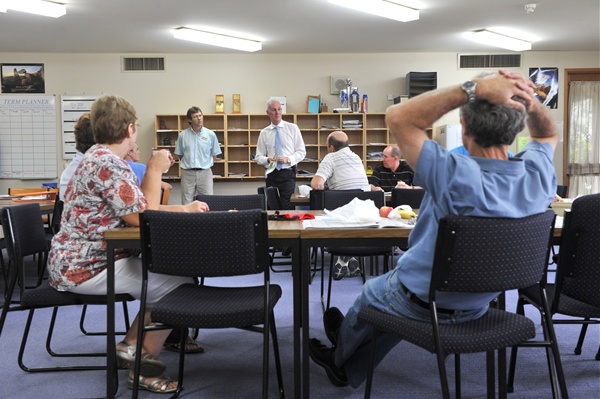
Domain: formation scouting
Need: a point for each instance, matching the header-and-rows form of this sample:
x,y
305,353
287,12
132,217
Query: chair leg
x,y
513,353
598,354
443,375
553,354
276,355
329,285
92,333
457,386
45,369
581,337
371,366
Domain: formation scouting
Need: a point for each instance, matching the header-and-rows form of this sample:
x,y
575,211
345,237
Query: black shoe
x,y
286,251
332,321
324,357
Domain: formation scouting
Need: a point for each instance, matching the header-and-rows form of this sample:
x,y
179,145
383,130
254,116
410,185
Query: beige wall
x,y
195,79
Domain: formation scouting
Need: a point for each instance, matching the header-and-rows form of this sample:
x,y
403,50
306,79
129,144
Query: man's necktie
x,y
278,146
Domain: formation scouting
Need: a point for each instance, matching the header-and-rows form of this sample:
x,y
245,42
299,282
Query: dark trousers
x,y
285,181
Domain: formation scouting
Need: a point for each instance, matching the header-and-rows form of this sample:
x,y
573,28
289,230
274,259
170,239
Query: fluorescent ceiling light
x,y
382,8
217,39
499,40
39,7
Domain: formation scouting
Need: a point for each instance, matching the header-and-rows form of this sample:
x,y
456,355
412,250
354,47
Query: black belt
x,y
195,169
417,301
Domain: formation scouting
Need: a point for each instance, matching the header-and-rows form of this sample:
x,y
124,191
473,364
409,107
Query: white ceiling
x,y
297,26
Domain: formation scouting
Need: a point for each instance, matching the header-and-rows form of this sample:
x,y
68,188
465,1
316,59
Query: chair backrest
x,y
230,202
272,196
333,199
206,244
316,199
562,191
56,215
476,254
165,193
578,270
407,196
23,230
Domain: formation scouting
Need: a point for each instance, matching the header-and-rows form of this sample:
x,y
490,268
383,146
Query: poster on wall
x,y
546,84
23,78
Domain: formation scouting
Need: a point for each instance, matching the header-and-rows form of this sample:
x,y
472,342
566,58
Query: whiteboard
x,y
72,108
28,147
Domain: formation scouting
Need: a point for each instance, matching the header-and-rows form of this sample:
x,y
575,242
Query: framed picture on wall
x,y
23,78
546,85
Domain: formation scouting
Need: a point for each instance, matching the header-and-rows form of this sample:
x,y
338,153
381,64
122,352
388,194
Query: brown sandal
x,y
191,346
157,385
149,367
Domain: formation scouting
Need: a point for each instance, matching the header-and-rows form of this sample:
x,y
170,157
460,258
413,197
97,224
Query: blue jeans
x,y
384,293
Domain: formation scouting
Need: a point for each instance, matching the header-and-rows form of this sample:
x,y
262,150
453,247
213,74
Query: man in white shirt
x,y
340,169
284,152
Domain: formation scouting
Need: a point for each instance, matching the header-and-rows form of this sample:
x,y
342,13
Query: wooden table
x,y
47,206
281,234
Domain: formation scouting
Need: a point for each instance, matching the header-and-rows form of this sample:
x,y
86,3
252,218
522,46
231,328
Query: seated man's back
x,y
340,169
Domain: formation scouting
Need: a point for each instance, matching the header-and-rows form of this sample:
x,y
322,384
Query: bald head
x,y
337,140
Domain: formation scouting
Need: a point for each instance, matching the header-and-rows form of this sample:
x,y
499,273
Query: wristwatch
x,y
469,88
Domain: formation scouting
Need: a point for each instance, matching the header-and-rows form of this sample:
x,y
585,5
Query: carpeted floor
x,y
231,366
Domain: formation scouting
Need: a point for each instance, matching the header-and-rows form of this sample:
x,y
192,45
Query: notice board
x,y
28,148
72,108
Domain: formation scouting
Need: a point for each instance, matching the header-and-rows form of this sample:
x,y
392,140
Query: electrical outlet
x,y
390,97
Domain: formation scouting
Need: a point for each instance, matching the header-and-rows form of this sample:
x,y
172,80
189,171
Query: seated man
x,y
493,110
340,169
133,158
392,173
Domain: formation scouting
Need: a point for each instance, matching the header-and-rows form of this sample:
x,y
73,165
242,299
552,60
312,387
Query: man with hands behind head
x,y
493,110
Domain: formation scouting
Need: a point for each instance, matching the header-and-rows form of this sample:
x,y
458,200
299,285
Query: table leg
x,y
111,354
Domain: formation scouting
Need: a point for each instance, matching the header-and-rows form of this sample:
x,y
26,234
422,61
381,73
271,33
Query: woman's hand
x,y
161,160
196,206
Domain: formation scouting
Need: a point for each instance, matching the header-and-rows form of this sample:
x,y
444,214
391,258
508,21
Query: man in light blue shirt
x,y
493,110
463,151
197,148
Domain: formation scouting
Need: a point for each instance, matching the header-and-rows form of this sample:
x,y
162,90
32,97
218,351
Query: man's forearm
x,y
540,122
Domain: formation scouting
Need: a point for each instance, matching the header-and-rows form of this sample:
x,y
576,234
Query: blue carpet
x,y
231,366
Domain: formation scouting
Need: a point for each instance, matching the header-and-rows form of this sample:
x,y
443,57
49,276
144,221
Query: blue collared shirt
x,y
197,149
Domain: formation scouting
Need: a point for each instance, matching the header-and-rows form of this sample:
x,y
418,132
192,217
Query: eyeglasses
x,y
197,117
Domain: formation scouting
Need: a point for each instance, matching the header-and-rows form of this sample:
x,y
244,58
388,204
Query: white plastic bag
x,y
357,211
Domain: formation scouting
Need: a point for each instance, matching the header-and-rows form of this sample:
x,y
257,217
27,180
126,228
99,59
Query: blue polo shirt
x,y
197,149
473,186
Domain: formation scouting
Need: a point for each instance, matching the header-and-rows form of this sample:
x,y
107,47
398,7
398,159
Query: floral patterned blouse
x,y
102,190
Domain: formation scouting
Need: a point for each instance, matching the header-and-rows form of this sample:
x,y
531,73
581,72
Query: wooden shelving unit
x,y
238,135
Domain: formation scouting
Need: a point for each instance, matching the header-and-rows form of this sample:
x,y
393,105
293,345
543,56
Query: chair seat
x,y
222,307
567,305
46,296
496,329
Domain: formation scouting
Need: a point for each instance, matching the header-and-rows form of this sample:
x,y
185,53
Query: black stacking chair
x,y
231,202
25,235
562,191
274,204
479,255
407,196
576,290
236,245
333,199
